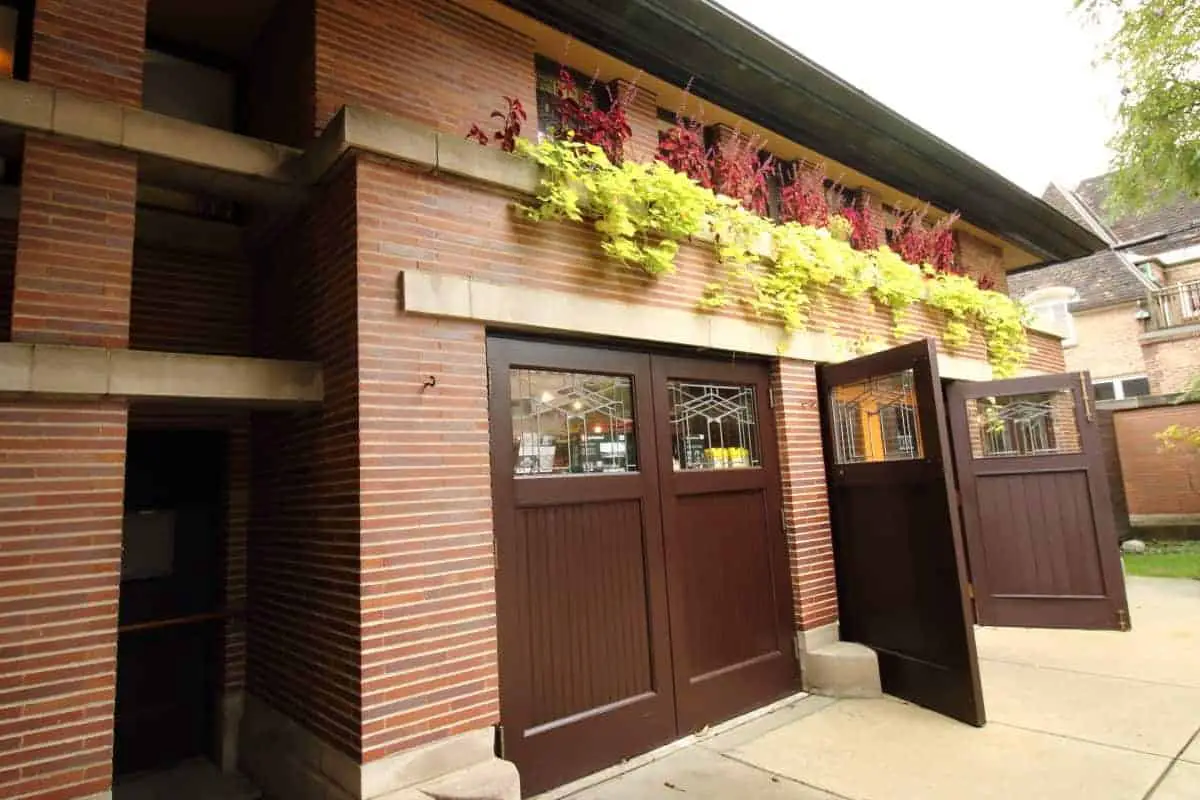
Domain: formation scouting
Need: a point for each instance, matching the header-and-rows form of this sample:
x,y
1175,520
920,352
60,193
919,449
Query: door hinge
x,y
1122,619
771,397
970,590
499,741
783,520
1086,396
495,554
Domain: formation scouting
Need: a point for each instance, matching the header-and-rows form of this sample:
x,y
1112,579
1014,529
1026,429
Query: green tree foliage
x,y
1156,48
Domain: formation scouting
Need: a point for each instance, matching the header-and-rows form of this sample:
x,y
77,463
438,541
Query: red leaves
x,y
918,243
682,149
511,121
741,173
863,233
803,200
581,119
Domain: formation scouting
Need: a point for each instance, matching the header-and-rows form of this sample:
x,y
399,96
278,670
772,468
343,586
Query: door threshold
x,y
708,732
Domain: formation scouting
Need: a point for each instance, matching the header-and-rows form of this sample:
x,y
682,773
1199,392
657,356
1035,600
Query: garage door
x,y
642,577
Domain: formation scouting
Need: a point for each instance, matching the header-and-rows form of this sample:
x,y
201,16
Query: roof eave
x,y
740,68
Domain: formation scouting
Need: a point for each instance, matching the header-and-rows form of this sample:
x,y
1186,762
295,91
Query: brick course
x,y
59,578
1173,363
74,244
805,499
1157,482
92,48
981,259
447,67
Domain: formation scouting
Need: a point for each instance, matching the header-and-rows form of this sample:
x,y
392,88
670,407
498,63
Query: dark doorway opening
x,y
171,616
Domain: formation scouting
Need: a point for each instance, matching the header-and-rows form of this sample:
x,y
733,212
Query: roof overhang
x,y
734,65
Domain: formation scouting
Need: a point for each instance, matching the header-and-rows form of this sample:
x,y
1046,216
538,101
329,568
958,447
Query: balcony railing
x,y
1174,306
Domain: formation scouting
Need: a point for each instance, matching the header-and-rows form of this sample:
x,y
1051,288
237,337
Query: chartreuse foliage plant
x,y
643,212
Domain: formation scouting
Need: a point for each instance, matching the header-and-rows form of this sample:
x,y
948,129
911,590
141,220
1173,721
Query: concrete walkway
x,y
1072,714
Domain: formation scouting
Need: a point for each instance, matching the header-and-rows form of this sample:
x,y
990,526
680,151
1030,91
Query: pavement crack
x,y
1154,787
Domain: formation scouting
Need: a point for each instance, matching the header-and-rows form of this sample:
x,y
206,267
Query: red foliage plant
x,y
582,120
681,147
803,199
863,233
740,171
511,121
918,243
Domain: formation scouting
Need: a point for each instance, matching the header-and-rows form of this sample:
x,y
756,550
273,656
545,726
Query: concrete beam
x,y
62,371
42,108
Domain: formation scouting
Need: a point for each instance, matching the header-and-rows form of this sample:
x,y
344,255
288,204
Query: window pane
x,y
1023,425
1135,387
572,422
713,426
876,420
1104,391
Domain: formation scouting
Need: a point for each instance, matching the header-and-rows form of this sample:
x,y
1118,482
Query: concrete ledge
x,y
842,669
1170,334
289,761
1163,520
42,108
58,370
381,134
530,308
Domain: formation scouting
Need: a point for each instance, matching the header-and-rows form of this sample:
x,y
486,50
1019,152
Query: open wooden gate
x,y
900,562
1035,505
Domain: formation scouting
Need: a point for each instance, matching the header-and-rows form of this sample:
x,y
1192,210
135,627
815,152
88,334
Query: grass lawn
x,y
1166,560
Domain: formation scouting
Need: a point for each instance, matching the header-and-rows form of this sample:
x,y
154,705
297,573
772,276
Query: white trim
x,y
1093,222
1118,384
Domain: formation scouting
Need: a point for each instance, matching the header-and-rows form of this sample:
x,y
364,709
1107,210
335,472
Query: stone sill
x,y
1170,334
67,371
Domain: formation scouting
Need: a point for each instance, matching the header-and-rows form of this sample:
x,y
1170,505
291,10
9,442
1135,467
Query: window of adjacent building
x,y
1121,388
1051,307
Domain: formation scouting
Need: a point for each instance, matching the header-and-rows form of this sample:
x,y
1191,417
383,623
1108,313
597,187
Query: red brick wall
x,y
981,259
74,244
1046,353
279,78
1158,482
428,594
1173,363
641,108
61,490
190,302
8,263
805,501
304,627
427,60
1106,425
91,48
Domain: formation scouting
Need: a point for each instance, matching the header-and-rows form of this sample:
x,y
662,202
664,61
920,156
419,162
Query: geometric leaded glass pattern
x,y
572,423
1023,425
876,420
713,426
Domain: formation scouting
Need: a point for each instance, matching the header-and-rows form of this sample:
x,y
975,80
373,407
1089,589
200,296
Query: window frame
x,y
1118,386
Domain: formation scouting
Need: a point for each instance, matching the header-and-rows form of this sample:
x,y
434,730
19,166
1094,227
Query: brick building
x,y
1132,314
253,284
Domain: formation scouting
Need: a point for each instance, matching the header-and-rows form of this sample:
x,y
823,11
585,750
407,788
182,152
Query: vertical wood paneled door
x,y
1035,504
642,583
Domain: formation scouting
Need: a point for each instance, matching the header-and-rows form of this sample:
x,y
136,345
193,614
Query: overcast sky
x,y
1010,82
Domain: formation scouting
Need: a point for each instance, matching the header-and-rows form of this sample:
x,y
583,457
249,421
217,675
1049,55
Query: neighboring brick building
x,y
1132,315
251,277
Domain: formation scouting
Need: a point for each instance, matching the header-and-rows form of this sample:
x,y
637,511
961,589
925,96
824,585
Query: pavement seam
x,y
1079,739
1092,674
783,777
1178,759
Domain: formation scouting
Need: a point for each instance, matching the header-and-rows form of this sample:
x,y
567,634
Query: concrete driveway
x,y
1072,714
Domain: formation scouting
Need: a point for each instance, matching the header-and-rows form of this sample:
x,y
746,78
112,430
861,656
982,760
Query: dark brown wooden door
x,y
642,579
1035,505
730,597
901,571
585,670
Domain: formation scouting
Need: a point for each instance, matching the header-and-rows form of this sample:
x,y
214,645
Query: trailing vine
x,y
643,212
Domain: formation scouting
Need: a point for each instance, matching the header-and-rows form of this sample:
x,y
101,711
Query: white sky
x,y
1011,83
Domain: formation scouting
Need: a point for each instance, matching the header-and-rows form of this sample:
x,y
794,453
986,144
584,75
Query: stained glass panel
x,y
1023,425
713,426
572,422
876,420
